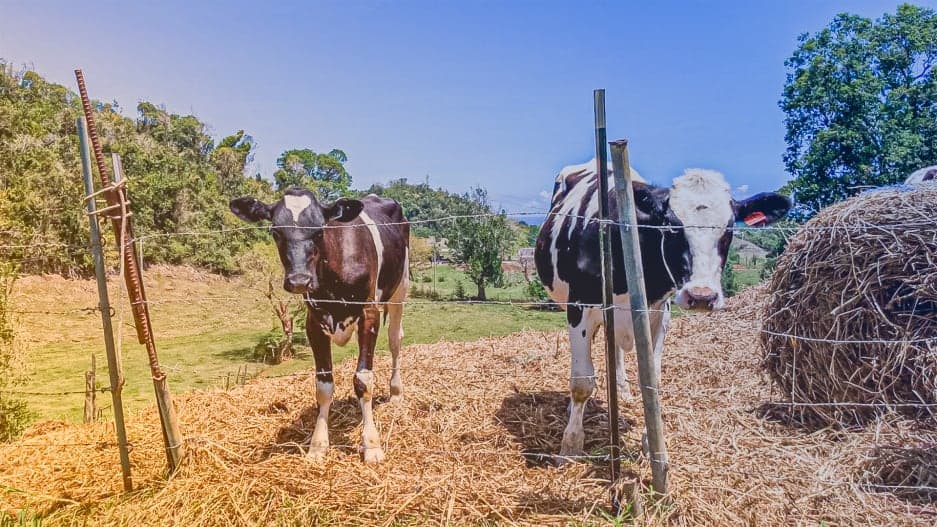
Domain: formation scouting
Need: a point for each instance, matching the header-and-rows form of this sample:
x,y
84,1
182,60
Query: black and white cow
x,y
922,176
345,259
683,251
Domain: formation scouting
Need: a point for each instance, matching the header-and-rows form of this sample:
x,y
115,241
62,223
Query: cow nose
x,y
297,282
702,297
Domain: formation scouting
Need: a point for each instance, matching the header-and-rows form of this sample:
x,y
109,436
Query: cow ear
x,y
343,209
650,203
250,209
762,209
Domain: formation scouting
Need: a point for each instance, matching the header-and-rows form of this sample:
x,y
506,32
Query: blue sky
x,y
497,94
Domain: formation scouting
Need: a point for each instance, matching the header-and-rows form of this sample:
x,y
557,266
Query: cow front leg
x,y
660,323
624,344
581,379
325,388
364,385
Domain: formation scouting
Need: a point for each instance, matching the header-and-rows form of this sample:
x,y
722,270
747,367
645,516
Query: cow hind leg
x,y
394,337
364,386
581,380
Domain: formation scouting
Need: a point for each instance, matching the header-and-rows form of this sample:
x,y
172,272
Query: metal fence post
x,y
117,199
607,299
113,364
634,272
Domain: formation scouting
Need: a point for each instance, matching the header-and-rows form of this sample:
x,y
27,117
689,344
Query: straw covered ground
x,y
462,449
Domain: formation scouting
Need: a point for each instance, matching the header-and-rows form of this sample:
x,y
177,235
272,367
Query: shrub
x,y
274,347
459,292
14,415
536,291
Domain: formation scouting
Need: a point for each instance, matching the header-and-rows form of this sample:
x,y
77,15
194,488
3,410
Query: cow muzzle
x,y
297,282
699,299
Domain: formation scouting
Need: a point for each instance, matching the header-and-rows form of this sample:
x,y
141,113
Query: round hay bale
x,y
909,473
850,327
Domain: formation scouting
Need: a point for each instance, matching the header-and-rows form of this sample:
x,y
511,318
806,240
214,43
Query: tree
x,y
479,242
230,158
324,174
861,105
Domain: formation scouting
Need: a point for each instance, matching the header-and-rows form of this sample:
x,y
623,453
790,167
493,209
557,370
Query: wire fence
x,y
464,374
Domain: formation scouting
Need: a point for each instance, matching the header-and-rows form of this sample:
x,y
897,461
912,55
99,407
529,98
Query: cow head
x,y
298,222
700,209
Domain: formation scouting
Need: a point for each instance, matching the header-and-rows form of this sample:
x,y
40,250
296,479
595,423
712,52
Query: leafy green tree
x,y
230,159
479,242
178,180
323,173
861,105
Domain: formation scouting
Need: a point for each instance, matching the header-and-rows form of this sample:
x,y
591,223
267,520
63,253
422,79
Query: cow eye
x,y
702,207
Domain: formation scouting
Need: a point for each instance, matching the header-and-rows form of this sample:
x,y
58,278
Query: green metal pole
x,y
608,298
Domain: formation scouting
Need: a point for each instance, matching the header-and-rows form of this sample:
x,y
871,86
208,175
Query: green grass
x,y
513,288
201,343
199,351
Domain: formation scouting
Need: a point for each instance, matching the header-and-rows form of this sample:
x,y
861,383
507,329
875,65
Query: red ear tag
x,y
755,219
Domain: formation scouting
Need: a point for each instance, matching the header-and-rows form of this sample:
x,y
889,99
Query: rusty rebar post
x,y
117,197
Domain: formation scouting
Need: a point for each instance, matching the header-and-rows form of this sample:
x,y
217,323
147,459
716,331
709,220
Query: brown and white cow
x,y
346,259
683,248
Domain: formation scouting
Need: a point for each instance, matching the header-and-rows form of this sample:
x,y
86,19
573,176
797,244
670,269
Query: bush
x,y
536,291
459,292
14,415
424,292
273,348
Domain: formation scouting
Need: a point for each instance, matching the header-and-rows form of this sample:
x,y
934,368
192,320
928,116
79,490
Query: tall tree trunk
x,y
481,290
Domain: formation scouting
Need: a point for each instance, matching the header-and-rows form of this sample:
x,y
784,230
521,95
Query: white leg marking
x,y
660,322
370,439
624,344
319,443
581,381
395,329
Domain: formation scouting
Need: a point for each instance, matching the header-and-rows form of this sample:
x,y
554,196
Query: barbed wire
x,y
587,219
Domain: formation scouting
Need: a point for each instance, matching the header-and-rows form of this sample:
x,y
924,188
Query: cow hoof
x,y
317,454
570,448
396,399
373,455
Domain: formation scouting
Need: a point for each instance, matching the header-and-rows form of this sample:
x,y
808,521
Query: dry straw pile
x,y
465,448
852,316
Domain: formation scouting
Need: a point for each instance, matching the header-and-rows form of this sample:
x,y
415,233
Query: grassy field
x,y
447,279
206,329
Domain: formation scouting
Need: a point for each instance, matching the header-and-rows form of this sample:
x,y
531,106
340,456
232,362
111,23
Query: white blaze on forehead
x,y
296,205
702,201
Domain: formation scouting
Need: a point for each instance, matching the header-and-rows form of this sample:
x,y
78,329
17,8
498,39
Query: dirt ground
x,y
466,448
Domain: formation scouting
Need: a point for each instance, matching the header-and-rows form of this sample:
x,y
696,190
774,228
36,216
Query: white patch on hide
x,y
378,248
